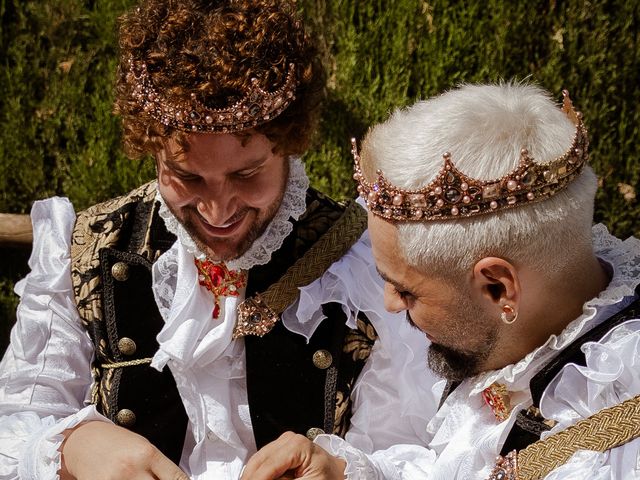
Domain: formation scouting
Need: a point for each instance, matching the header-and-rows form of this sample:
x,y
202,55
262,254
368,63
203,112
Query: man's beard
x,y
456,365
258,227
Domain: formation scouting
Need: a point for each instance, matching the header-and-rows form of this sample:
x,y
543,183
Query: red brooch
x,y
497,397
220,281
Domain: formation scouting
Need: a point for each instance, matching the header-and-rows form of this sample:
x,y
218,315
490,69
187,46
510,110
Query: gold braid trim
x,y
330,247
130,363
602,431
607,429
258,314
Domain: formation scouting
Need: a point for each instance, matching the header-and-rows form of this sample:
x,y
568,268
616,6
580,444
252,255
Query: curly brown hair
x,y
213,49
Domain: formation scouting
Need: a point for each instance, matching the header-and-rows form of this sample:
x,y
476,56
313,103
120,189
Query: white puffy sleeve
x,y
45,375
395,396
611,376
394,399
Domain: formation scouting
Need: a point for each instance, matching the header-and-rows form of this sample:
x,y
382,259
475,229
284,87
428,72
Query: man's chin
x,y
220,249
226,249
451,364
223,250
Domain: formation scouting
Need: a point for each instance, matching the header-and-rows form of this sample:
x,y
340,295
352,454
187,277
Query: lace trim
x,y
164,288
358,465
293,205
41,457
624,258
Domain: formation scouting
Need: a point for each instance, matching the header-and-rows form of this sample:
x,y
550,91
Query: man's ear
x,y
497,281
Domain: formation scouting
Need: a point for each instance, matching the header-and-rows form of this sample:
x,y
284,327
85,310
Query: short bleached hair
x,y
484,127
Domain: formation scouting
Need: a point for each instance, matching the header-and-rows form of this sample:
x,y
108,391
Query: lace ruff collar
x,y
624,259
293,205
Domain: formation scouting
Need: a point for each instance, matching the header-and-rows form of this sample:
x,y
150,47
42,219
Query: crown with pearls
x,y
255,108
452,194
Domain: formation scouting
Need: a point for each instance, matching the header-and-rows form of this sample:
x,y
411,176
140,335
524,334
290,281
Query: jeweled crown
x,y
452,194
255,108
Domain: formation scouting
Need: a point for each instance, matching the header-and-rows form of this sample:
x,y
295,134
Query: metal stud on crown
x,y
452,194
255,108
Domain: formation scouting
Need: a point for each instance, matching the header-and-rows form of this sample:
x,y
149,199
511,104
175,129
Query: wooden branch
x,y
15,230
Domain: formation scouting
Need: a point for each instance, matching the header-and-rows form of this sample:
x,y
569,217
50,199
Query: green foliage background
x,y
59,137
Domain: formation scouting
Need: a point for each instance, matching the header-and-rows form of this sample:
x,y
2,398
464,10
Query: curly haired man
x,y
172,332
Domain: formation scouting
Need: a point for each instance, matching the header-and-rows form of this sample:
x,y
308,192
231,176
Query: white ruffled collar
x,y
624,259
293,205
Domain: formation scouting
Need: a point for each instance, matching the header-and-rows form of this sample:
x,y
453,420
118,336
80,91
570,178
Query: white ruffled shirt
x,y
45,377
464,437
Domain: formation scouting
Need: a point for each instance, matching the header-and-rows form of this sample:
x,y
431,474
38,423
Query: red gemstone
x,y
217,275
216,311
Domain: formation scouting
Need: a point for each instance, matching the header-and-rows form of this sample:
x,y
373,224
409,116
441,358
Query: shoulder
x,y
122,223
102,219
320,214
608,376
336,224
144,193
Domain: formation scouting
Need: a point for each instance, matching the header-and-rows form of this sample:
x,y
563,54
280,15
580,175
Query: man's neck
x,y
553,309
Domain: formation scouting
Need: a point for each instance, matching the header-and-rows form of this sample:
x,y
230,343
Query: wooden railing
x,y
15,230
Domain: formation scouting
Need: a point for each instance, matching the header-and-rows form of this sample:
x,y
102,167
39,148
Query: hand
x,y
293,456
103,451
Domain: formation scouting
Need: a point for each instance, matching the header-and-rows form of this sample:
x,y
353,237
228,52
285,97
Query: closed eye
x,y
186,177
183,175
248,173
402,293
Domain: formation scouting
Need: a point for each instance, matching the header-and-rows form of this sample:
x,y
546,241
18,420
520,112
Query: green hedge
x,y
58,136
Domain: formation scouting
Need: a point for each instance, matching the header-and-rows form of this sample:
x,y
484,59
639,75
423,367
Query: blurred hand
x,y
103,451
293,456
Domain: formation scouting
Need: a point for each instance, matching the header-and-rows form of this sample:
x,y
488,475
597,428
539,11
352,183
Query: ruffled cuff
x,y
38,456
399,462
358,465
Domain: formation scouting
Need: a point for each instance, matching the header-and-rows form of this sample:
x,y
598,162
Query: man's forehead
x,y
384,243
179,141
383,234
236,151
391,264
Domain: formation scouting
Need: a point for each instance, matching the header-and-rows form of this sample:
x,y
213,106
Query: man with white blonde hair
x,y
480,214
171,332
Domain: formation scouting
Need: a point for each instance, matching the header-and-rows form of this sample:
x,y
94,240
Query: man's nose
x,y
392,301
215,209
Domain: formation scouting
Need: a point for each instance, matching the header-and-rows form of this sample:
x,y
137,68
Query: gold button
x,y
126,346
126,418
322,359
120,271
313,432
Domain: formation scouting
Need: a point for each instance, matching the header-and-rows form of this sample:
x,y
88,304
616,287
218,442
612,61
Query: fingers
x,y
275,459
131,456
165,469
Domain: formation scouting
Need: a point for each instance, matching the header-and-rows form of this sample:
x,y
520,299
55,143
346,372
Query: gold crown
x,y
452,194
255,108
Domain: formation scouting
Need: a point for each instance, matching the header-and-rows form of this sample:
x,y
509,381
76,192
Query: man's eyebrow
x,y
254,163
397,285
175,165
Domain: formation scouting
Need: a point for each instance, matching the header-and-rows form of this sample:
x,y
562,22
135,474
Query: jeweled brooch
x,y
220,281
496,397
